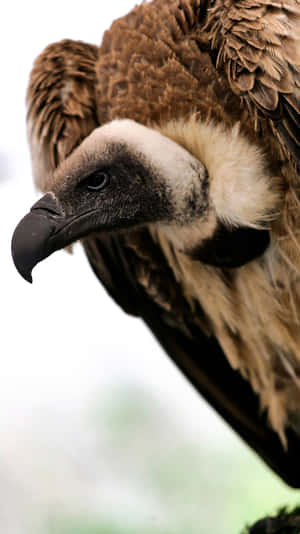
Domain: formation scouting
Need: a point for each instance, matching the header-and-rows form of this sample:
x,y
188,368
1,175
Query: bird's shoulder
x,y
156,65
257,46
232,61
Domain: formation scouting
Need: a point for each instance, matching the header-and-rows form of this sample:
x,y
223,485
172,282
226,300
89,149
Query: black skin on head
x,y
131,196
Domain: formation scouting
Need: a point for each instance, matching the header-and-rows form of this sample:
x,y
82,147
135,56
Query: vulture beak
x,y
45,229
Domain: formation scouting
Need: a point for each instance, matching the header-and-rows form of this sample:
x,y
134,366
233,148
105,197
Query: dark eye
x,y
96,181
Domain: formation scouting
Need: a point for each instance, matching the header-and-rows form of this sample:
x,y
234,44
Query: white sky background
x,y
63,341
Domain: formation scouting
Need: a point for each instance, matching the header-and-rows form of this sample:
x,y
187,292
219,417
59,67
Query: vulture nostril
x,y
48,204
46,210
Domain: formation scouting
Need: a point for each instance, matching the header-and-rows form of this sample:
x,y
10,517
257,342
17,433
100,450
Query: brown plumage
x,y
221,79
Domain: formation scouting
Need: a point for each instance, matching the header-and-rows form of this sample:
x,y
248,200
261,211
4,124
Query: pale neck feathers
x,y
253,310
241,189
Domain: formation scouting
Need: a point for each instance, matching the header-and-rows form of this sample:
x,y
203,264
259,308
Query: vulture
x,y
172,152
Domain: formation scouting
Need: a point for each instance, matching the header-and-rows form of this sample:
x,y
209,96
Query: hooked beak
x,y
45,229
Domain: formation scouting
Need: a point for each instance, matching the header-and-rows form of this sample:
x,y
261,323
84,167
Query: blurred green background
x,y
217,488
125,466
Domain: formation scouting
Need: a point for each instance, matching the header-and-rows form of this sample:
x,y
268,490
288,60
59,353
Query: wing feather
x,y
61,105
258,46
183,340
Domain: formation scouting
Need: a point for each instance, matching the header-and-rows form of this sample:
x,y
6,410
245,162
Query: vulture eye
x,y
97,181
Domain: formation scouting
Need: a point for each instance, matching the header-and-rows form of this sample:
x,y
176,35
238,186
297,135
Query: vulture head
x,y
124,175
